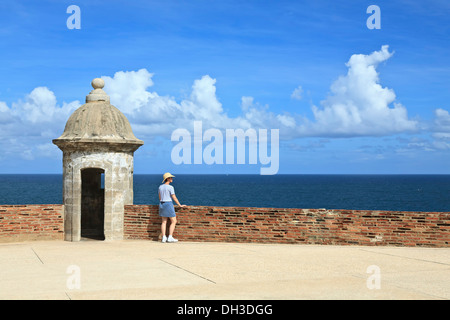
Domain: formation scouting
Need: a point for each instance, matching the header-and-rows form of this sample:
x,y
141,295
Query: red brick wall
x,y
309,226
234,224
31,222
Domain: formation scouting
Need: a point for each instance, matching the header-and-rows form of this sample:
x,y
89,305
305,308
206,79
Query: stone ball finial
x,y
97,94
98,83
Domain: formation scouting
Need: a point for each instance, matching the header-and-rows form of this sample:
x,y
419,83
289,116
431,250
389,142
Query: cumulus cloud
x,y
152,114
37,115
441,129
442,120
129,89
31,122
358,105
297,93
259,116
5,114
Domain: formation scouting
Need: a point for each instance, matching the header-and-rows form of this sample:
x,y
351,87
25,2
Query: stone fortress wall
x,y
243,224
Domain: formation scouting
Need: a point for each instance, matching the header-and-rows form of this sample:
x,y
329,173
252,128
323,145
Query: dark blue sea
x,y
370,192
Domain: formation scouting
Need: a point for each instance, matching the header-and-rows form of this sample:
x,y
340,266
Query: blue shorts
x,y
166,209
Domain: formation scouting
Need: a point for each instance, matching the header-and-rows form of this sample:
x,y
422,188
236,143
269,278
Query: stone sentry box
x,y
98,146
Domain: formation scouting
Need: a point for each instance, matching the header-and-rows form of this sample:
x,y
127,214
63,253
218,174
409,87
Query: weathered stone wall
x,y
118,171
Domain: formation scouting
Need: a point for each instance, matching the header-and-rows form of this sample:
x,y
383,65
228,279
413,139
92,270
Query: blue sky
x,y
345,98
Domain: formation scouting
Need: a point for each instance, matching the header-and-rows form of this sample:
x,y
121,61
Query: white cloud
x,y
246,103
128,89
5,113
297,93
358,105
286,120
152,114
38,114
35,120
441,129
39,106
442,120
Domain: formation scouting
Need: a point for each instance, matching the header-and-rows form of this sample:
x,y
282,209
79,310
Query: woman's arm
x,y
174,197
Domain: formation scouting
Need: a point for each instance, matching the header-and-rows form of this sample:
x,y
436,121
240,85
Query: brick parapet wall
x,y
239,224
308,226
31,222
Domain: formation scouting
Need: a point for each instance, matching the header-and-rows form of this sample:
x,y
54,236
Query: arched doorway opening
x,y
92,204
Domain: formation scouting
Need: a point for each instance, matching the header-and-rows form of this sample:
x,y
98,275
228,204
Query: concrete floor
x,y
187,270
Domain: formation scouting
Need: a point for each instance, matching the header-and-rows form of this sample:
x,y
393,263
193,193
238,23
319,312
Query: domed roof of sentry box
x,y
98,121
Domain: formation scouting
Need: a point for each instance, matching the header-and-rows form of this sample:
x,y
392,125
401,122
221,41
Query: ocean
x,y
363,192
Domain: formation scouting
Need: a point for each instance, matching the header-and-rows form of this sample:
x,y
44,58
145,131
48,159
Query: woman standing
x,y
166,194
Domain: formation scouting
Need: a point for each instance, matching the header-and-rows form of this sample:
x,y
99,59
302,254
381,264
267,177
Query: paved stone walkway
x,y
188,270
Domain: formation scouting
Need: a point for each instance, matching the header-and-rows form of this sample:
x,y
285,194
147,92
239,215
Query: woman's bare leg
x,y
164,226
173,222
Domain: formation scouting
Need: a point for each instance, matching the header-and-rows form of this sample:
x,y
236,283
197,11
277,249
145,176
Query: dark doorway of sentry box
x,y
92,204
